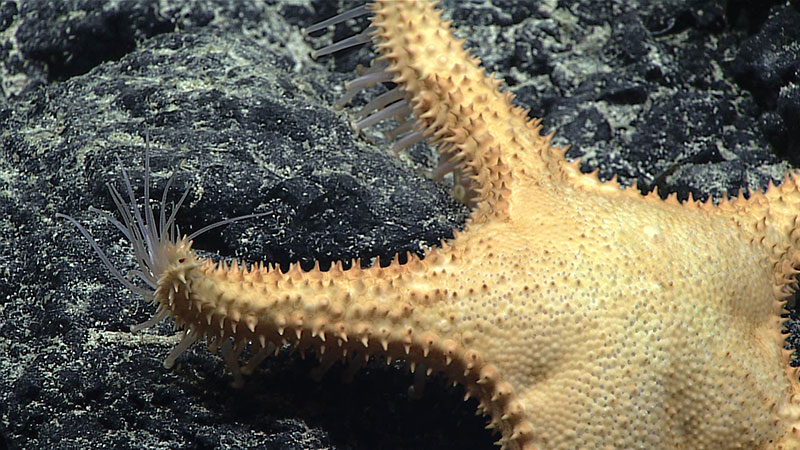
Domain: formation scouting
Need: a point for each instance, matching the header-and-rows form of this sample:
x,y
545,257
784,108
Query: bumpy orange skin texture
x,y
580,314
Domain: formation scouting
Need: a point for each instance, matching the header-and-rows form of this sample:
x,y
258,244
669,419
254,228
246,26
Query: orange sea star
x,y
581,315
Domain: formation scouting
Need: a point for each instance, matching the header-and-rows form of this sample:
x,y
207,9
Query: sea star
x,y
580,314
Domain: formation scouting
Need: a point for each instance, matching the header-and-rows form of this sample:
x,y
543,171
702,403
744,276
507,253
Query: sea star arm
x,y
422,311
461,109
